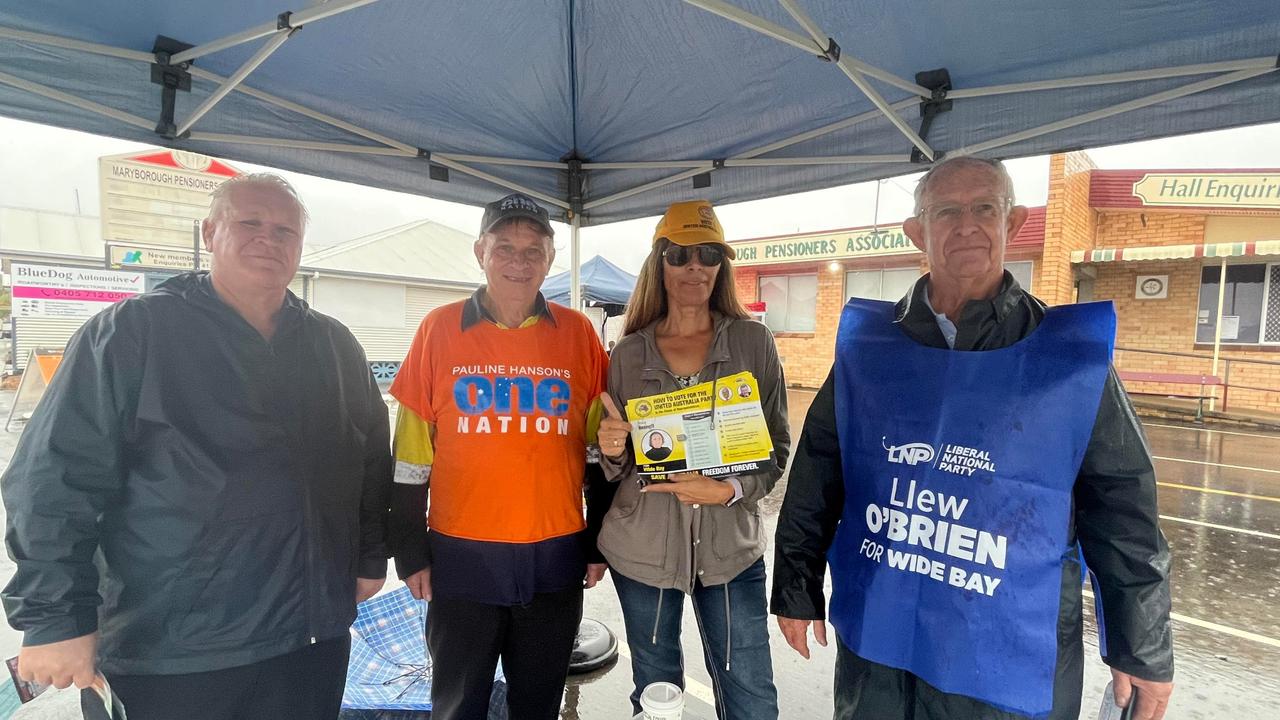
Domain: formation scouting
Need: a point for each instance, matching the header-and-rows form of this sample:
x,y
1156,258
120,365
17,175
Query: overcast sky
x,y
51,169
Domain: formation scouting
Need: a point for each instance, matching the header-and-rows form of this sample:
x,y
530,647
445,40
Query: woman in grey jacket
x,y
693,535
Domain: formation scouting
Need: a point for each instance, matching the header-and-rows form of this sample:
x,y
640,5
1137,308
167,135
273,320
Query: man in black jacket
x,y
199,501
964,216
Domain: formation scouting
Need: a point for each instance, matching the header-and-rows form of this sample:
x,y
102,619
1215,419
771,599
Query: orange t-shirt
x,y
510,411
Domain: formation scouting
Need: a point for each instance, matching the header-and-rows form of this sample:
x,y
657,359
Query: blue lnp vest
x,y
958,469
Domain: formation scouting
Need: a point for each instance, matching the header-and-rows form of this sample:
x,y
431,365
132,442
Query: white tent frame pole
x,y
236,78
575,262
70,44
148,58
750,162
815,160
72,100
647,187
807,135
491,160
817,46
644,164
1112,78
307,112
735,14
854,73
394,147
500,182
1217,327
826,129
196,135
296,20
1124,107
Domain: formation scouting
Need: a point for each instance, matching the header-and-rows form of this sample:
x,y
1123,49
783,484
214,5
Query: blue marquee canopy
x,y
615,108
603,283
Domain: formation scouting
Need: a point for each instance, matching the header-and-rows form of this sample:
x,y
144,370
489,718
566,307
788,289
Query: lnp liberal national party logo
x,y
955,459
909,454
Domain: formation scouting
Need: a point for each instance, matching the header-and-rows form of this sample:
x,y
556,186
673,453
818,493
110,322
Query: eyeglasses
x,y
709,255
983,210
532,255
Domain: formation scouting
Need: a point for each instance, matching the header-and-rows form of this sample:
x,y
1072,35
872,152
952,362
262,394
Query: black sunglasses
x,y
709,255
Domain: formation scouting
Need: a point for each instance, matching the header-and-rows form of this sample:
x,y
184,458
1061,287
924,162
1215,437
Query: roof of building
x,y
421,249
26,231
1032,232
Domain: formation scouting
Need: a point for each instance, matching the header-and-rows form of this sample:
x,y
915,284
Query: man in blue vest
x,y
953,492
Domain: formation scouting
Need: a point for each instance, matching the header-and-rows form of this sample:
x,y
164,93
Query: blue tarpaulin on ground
x,y
389,667
767,96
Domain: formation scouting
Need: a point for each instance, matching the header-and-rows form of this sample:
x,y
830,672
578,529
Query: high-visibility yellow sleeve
x,y
414,448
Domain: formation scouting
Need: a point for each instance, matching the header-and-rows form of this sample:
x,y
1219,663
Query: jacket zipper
x,y
309,567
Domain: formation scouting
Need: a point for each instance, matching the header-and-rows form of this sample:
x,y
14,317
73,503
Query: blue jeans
x,y
731,617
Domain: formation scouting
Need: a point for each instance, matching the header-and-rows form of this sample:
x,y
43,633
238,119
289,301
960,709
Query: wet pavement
x,y
1220,509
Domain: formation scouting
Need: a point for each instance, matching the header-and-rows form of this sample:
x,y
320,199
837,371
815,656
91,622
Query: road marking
x,y
1225,465
1228,528
1234,632
1216,432
1215,491
691,686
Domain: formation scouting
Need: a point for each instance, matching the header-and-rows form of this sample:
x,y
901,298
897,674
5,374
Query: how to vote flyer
x,y
712,428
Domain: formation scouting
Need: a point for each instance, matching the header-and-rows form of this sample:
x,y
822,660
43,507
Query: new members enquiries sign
x,y
67,292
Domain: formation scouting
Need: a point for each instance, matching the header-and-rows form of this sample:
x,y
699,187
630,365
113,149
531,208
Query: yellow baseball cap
x,y
692,222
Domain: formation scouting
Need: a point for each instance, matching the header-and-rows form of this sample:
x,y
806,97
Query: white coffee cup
x,y
661,701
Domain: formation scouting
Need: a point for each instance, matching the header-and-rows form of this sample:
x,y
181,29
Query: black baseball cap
x,y
515,205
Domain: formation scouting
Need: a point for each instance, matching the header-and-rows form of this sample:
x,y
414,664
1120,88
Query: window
x,y
791,302
1244,304
1021,271
889,285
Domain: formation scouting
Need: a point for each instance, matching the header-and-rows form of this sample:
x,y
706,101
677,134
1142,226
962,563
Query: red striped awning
x,y
1176,252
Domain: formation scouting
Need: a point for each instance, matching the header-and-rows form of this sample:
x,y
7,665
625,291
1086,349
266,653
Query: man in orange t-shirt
x,y
498,403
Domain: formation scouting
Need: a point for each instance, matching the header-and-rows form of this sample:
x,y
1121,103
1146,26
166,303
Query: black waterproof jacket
x,y
1115,522
203,497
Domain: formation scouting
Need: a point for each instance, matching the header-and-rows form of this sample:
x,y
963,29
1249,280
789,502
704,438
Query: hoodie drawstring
x,y
728,633
656,617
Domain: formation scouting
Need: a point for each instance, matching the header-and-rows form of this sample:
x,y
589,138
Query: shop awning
x,y
1176,252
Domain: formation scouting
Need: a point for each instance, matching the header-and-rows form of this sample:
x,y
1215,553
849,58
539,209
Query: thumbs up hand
x,y
614,431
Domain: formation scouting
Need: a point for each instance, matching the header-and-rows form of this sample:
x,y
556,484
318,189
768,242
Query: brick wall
x,y
1068,225
746,281
1131,229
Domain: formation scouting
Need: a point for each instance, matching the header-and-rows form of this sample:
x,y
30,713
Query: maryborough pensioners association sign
x,y
839,245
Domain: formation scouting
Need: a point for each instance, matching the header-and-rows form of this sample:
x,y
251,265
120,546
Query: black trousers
x,y
534,641
869,691
302,685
